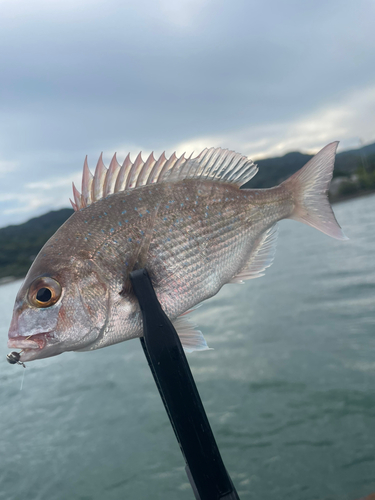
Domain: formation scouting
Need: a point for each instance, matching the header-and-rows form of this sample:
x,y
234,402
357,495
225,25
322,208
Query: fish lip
x,y
35,342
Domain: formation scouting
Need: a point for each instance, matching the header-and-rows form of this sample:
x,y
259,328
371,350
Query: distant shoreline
x,y
358,194
8,279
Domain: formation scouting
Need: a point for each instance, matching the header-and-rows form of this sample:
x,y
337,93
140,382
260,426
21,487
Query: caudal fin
x,y
309,187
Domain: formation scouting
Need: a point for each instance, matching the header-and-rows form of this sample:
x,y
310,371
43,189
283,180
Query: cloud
x,y
350,121
38,197
183,13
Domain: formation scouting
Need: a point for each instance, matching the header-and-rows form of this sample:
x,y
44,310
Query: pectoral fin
x,y
261,257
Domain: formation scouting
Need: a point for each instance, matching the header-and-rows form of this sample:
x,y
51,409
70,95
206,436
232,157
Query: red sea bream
x,y
185,220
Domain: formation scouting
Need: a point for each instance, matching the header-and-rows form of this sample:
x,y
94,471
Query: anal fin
x,y
191,339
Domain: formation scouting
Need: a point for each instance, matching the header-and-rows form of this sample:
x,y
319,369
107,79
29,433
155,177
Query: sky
x,y
261,77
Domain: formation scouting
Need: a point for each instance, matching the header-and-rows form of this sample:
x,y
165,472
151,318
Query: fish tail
x,y
309,190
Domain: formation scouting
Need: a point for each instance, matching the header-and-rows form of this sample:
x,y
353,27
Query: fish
x,y
185,220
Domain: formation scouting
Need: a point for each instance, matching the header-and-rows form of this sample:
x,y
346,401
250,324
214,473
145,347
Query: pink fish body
x,y
185,220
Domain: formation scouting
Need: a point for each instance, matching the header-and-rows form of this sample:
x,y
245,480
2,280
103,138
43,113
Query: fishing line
x,y
23,376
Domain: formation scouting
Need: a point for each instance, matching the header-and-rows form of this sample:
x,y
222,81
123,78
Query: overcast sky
x,y
262,77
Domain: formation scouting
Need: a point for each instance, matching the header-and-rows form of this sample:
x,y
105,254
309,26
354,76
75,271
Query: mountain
x,y
20,244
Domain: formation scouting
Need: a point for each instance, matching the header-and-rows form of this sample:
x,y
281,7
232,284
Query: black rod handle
x,y
175,382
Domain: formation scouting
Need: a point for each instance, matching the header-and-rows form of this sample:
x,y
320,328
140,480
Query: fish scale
x,y
185,220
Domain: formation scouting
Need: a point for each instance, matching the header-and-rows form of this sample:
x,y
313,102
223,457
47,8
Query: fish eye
x,y
44,295
44,292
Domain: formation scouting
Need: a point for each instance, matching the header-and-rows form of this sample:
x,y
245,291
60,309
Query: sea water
x,y
289,389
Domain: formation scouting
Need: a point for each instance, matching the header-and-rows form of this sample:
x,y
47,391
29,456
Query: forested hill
x,y
20,244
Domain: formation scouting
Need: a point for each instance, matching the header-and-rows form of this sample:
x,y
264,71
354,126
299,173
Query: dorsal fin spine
x,y
87,178
98,181
146,170
201,163
167,165
77,197
191,167
155,172
73,205
132,177
189,164
111,176
123,174
173,173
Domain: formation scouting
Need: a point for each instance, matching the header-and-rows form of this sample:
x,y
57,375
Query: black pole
x,y
165,355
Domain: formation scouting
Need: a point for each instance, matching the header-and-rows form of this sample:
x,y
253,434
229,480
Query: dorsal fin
x,y
216,164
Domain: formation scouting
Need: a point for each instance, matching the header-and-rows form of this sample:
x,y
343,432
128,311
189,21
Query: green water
x,y
289,389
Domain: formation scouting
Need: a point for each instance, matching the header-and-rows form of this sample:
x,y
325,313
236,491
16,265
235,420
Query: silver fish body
x,y
193,235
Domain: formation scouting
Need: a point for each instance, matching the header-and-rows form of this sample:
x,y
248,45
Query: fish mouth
x,y
32,342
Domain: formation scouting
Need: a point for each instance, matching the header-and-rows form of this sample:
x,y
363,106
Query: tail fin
x,y
309,188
